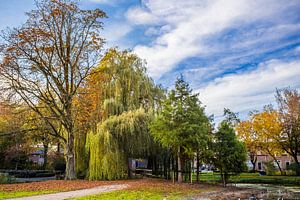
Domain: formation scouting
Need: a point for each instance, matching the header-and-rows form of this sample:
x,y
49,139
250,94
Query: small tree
x,y
230,154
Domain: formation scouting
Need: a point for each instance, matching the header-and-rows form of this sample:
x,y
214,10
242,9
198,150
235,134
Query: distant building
x,y
37,157
284,161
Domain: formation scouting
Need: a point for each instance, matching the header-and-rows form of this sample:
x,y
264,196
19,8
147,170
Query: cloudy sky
x,y
235,53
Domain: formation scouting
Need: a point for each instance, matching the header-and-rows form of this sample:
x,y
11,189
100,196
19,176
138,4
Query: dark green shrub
x,y
59,164
294,167
5,178
270,168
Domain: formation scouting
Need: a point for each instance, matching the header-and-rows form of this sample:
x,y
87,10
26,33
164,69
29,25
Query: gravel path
x,y
76,193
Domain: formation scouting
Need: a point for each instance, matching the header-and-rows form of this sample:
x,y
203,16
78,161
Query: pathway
x,y
76,193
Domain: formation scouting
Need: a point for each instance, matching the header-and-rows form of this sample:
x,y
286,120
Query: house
x,y
284,161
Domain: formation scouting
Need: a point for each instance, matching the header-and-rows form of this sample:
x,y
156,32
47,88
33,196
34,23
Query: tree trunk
x,y
278,165
70,159
179,167
275,159
45,155
297,163
253,159
198,168
129,167
223,178
58,148
191,174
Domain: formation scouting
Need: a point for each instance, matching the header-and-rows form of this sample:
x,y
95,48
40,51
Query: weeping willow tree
x,y
129,97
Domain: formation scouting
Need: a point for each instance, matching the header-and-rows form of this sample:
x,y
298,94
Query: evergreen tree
x,y
182,125
229,153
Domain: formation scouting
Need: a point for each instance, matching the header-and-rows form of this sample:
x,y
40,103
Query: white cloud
x,y
139,16
297,49
114,33
250,90
109,2
191,22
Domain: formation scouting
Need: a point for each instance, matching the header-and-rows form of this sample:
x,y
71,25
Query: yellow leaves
x,y
261,131
267,125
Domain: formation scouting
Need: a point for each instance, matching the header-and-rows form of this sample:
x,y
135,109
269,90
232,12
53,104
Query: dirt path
x,y
76,193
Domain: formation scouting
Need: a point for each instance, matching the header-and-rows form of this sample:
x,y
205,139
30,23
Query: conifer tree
x,y
182,124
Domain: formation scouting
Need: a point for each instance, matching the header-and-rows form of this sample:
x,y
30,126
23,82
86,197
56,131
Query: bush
x,y
59,164
270,168
290,173
5,178
294,167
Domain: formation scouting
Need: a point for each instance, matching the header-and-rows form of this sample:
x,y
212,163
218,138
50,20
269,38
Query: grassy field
x,y
150,189
15,194
155,189
133,195
251,178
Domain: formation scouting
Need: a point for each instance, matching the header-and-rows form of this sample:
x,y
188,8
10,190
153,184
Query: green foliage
x,y
81,158
117,139
182,123
295,167
230,154
5,178
250,178
58,163
270,168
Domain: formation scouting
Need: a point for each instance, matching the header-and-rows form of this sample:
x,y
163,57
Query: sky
x,y
234,53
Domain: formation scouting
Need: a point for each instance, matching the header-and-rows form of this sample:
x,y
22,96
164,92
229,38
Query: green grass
x,y
153,191
251,178
134,195
15,194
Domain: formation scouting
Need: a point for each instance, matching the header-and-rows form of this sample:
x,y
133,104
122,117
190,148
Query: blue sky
x,y
235,53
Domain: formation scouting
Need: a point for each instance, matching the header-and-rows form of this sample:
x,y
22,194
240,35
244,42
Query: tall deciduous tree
x,y
182,125
267,126
47,59
261,133
125,104
289,114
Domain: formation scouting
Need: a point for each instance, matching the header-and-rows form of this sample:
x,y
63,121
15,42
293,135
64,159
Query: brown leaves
x,y
32,34
56,185
62,185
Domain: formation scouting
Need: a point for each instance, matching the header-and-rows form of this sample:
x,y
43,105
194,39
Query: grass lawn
x,y
133,195
154,189
15,194
251,178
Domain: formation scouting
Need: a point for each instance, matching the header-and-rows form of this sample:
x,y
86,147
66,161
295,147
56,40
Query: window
x,y
287,163
259,166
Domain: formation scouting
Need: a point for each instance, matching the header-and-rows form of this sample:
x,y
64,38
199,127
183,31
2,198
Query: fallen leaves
x,y
159,185
55,185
